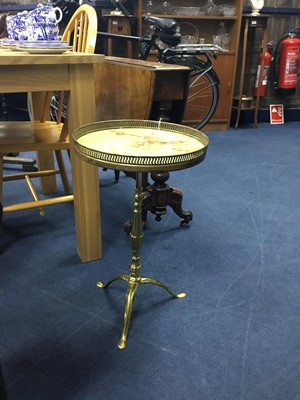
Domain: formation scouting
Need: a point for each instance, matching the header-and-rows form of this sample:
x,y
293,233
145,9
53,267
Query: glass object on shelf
x,y
161,44
228,10
217,39
165,7
156,7
147,30
226,41
187,11
222,40
189,33
211,8
148,7
221,30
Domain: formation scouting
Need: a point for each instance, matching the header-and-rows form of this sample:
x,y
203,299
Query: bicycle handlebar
x,y
117,36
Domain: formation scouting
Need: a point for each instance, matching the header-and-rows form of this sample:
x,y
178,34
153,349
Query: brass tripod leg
x,y
134,279
181,295
116,278
130,295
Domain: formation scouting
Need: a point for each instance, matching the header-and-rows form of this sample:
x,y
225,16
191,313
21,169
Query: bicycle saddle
x,y
170,38
164,24
168,33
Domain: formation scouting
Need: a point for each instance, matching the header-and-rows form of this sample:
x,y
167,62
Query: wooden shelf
x,y
243,108
190,17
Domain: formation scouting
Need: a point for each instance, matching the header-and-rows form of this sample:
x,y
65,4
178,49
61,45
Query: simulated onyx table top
x,y
137,145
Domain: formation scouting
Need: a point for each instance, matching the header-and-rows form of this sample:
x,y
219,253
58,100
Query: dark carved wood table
x,y
139,146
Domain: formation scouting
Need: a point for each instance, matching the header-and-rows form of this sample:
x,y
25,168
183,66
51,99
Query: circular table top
x,y
140,146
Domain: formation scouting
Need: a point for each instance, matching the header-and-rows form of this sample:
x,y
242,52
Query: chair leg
x,y
63,172
45,161
117,174
34,193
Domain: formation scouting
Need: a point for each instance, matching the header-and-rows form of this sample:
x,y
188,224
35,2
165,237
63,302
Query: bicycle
x,y
203,95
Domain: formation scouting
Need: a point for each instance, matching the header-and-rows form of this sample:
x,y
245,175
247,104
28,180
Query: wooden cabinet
x,y
140,88
207,25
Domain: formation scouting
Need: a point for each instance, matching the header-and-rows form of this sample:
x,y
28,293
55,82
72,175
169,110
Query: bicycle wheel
x,y
55,106
203,97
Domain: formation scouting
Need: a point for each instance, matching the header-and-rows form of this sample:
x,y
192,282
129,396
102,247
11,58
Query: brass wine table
x,y
139,146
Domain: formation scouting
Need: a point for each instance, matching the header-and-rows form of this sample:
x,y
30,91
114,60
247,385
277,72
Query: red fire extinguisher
x,y
288,66
267,63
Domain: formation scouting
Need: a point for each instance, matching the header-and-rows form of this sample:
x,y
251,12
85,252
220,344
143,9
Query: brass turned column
x,y
139,146
135,279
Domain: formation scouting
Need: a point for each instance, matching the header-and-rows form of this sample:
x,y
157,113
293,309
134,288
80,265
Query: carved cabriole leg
x,y
159,195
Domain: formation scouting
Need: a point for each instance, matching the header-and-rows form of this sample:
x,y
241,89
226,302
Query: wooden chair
x,y
42,135
84,22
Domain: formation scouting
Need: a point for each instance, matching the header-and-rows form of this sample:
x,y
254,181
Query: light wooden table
x,y
23,72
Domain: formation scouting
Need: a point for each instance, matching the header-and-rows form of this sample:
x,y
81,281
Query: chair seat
x,y
31,135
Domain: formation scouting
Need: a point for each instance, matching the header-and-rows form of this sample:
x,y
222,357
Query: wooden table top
x,y
9,57
146,64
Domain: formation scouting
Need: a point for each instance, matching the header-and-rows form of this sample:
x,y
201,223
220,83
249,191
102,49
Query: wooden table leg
x,y
45,159
81,111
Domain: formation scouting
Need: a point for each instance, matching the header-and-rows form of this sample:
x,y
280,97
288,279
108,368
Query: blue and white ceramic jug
x,y
44,22
38,24
17,26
